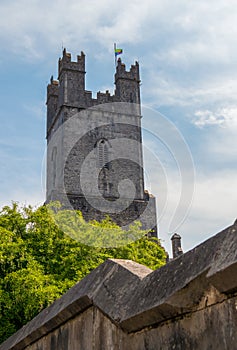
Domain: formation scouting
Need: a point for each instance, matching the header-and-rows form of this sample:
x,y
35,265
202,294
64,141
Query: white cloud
x,y
226,117
23,197
213,208
31,28
220,142
165,89
172,28
212,41
214,202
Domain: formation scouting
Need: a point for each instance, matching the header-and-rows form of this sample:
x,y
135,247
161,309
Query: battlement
x,y
132,74
52,88
104,97
70,91
53,82
66,63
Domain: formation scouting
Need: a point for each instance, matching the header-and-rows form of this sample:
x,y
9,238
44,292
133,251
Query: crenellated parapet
x,y
70,89
66,63
52,100
127,83
132,74
52,88
104,97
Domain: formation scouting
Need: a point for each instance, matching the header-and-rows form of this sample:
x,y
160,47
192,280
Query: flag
x,y
118,52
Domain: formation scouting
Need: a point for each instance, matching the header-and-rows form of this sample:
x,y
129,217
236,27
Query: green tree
x,y
39,262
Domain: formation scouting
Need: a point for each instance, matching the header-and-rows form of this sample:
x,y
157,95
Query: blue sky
x,y
188,62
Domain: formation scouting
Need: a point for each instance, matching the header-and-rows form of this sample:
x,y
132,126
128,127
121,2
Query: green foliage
x,y
39,262
96,234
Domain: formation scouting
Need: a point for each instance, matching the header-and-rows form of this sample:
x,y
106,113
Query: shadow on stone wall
x,y
188,304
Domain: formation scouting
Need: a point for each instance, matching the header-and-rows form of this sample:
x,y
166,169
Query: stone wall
x,y
94,146
188,304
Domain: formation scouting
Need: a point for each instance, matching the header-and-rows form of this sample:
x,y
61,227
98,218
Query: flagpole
x,y
115,54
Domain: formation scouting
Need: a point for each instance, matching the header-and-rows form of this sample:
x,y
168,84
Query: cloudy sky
x,y
188,60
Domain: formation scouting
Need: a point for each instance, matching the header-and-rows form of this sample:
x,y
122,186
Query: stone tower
x,y
94,154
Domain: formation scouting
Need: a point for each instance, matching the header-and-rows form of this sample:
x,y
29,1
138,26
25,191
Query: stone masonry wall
x,y
83,174
190,303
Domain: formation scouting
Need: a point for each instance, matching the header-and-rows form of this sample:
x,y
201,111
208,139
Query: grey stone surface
x,y
188,304
176,245
98,140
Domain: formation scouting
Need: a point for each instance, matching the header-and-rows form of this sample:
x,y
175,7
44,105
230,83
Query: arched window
x,y
103,159
103,153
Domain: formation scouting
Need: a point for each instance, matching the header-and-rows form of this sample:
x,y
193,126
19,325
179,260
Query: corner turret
x,y
71,80
52,101
127,83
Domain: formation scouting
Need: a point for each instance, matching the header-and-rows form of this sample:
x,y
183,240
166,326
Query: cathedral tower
x,y
94,154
